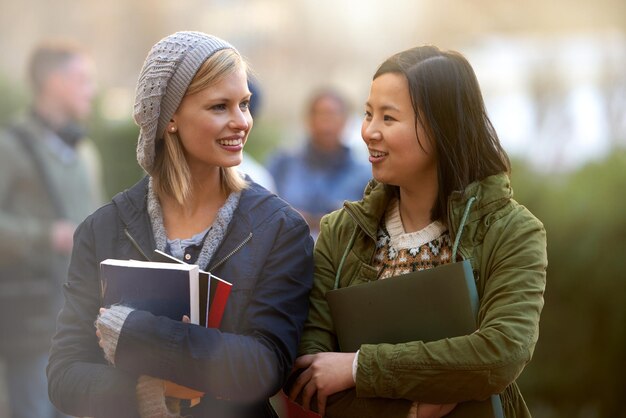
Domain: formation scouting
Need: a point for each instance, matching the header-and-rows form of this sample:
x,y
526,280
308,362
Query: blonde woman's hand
x,y
325,374
98,333
108,326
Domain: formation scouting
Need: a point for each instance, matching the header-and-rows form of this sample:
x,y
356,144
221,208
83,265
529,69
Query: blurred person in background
x,y
191,106
317,178
49,182
441,194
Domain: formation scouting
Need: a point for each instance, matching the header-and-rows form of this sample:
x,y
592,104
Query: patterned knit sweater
x,y
399,252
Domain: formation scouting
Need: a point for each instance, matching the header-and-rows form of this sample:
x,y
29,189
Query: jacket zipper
x,y
214,266
230,254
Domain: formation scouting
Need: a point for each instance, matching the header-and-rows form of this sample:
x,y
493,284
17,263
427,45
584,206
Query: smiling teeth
x,y
230,142
377,154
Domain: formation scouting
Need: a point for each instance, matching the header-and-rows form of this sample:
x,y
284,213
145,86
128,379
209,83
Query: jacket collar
x,y
368,211
132,209
491,193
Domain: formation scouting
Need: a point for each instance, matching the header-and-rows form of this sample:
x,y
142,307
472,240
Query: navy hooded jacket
x,y
266,254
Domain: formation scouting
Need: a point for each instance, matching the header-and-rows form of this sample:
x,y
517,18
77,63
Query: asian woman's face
x,y
391,132
213,124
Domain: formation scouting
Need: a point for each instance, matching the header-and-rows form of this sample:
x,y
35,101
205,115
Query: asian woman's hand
x,y
426,410
325,374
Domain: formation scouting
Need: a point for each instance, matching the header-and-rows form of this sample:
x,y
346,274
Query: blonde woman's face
x,y
391,134
213,124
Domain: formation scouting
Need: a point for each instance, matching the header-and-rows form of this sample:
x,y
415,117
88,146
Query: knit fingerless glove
x,y
110,325
152,400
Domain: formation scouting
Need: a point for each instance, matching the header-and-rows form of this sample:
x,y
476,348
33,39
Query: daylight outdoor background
x,y
553,74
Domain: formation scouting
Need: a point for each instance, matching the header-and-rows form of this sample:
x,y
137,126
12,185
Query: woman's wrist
x,y
109,324
355,364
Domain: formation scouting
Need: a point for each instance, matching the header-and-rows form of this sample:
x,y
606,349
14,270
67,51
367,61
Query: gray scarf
x,y
214,236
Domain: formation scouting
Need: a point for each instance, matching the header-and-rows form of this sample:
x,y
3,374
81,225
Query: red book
x,y
219,290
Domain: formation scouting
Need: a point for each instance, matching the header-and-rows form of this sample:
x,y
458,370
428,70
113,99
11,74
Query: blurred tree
x,y
13,100
582,343
265,137
117,142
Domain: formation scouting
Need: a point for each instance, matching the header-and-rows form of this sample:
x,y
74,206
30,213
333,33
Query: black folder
x,y
425,305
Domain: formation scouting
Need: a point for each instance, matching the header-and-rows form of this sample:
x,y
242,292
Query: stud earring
x,y
172,129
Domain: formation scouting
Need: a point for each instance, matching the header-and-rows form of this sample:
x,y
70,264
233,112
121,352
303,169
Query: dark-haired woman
x,y
441,193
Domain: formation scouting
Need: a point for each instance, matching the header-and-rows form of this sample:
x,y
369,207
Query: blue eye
x,y
219,107
245,104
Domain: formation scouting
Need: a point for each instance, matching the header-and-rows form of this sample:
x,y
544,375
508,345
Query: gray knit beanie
x,y
167,72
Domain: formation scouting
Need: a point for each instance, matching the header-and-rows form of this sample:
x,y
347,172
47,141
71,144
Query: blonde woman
x,y
192,109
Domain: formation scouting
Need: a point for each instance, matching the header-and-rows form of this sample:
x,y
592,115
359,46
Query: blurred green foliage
x,y
263,139
581,353
12,100
117,142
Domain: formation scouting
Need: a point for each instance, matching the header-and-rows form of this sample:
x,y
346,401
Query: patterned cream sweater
x,y
399,252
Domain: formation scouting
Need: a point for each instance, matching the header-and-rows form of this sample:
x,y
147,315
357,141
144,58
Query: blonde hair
x,y
171,174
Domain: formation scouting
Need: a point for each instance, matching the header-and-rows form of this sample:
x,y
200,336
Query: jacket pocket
x,y
356,272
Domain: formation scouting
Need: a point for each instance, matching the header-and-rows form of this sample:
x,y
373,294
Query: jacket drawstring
x,y
457,239
345,255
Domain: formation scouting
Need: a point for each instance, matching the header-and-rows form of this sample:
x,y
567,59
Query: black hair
x,y
447,101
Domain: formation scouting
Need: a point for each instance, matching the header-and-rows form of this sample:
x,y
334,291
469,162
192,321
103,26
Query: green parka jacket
x,y
506,245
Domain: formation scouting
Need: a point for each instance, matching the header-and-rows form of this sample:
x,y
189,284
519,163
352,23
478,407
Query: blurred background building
x,y
553,75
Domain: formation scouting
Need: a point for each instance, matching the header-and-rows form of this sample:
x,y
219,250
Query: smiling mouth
x,y
377,154
230,142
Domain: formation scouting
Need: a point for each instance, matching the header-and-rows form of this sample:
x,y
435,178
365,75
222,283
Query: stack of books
x,y
166,287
